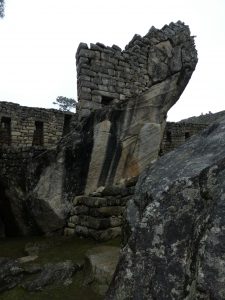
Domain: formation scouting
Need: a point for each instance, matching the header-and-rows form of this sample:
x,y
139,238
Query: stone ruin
x,y
138,86
24,127
76,172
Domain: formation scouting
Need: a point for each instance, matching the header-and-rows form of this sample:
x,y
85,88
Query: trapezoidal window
x,y
168,136
38,138
66,125
187,135
5,131
106,100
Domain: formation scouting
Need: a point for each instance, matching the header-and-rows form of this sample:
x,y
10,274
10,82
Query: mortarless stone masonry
x,y
176,134
28,126
123,100
107,75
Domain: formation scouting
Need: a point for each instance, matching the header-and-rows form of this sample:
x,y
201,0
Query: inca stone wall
x,y
100,215
28,143
107,75
176,134
129,94
124,97
27,126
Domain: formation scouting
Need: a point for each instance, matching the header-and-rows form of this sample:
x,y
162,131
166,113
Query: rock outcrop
x,y
34,277
134,89
124,97
175,226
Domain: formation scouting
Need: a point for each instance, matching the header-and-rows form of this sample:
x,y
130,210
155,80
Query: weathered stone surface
x,y
156,55
146,84
125,98
99,266
26,259
98,235
101,139
48,207
175,231
176,134
11,273
58,273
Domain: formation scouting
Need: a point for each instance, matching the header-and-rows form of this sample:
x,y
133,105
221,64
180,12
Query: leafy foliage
x,y
2,8
64,103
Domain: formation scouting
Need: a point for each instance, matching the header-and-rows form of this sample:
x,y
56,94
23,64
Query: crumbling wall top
x,y
108,75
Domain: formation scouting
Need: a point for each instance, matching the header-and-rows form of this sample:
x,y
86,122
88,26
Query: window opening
x,y
106,100
186,135
66,125
38,138
5,131
168,136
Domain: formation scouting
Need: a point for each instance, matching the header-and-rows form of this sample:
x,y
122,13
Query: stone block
x,y
111,72
82,60
95,47
105,235
87,72
81,78
96,98
84,95
69,231
116,47
104,93
116,221
82,231
103,88
88,84
86,53
74,219
94,223
85,90
106,211
80,209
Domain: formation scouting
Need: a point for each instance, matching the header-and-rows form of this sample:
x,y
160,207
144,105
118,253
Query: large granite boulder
x,y
175,246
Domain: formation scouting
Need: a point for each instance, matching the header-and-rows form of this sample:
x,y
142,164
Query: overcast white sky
x,y
39,38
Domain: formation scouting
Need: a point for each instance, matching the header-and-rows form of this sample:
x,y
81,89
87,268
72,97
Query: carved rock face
x,y
141,84
124,97
176,225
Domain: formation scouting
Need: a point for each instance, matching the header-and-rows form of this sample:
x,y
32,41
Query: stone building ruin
x,y
108,75
76,172
27,126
